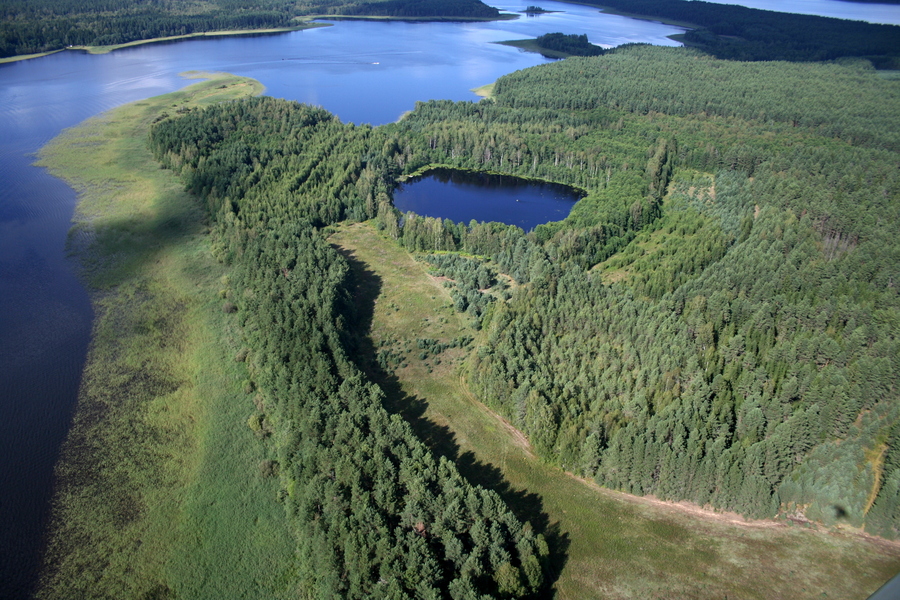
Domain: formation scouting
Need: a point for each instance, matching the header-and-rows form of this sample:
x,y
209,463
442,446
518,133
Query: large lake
x,y
362,71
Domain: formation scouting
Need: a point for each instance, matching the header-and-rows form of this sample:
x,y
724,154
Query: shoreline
x,y
160,428
174,38
500,17
310,22
531,45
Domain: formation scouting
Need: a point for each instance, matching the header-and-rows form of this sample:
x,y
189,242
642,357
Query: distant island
x,y
537,10
558,45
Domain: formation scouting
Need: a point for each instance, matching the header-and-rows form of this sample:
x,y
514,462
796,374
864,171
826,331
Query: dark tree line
x,y
576,45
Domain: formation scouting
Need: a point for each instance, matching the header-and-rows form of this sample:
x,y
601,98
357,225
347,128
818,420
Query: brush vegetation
x,y
740,33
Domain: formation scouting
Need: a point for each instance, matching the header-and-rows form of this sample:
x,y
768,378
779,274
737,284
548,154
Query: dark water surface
x,y
462,196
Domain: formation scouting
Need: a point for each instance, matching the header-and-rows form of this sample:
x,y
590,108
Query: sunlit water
x,y
365,72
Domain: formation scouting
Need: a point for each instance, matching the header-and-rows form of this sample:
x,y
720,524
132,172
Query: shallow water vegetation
x,y
159,476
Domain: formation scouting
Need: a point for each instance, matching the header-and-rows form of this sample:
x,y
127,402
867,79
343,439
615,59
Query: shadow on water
x,y
527,506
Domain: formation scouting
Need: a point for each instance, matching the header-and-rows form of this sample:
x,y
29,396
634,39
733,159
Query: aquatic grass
x,y
159,489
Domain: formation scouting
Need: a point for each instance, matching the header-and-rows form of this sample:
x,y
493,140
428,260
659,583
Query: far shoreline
x,y
312,22
173,38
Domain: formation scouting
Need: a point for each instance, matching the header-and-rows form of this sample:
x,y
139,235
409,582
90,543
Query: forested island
x,y
715,322
558,45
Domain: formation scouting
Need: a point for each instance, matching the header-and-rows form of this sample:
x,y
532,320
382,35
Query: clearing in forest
x,y
606,544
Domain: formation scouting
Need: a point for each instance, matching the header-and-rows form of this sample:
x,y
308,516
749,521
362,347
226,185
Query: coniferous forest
x,y
716,321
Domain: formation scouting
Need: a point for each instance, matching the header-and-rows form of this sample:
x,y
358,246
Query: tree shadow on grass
x,y
525,505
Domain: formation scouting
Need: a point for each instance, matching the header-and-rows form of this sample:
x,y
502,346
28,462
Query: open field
x,y
160,489
607,544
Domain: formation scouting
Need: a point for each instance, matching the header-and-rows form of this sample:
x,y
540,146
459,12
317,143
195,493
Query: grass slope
x,y
160,493
610,545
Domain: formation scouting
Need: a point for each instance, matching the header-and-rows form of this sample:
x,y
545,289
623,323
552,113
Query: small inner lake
x,y
462,196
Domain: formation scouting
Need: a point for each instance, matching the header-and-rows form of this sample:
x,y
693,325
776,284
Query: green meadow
x,y
160,489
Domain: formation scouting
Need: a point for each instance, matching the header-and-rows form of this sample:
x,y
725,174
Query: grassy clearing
x,y
609,545
485,91
160,491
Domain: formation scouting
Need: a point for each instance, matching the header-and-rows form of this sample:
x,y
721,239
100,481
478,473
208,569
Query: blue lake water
x,y
365,72
462,196
855,11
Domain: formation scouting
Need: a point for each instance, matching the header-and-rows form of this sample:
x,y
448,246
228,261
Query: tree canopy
x,y
715,321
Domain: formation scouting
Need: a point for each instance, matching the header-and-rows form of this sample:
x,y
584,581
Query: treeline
x,y
739,33
28,27
424,8
719,315
374,513
574,44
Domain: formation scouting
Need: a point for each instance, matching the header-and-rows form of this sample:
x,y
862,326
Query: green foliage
x,y
424,8
574,44
741,331
747,326
373,511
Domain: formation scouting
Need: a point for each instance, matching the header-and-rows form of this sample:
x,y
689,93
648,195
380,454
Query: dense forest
x,y
574,44
28,26
716,321
375,514
740,33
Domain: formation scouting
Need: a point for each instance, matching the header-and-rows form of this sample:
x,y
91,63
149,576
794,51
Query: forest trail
x,y
606,544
